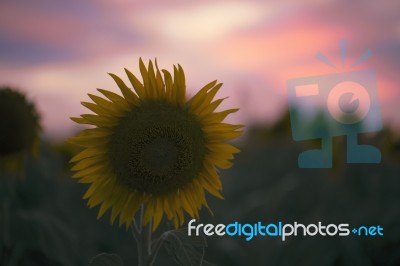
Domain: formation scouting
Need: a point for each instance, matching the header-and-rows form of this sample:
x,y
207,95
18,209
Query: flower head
x,y
150,146
20,129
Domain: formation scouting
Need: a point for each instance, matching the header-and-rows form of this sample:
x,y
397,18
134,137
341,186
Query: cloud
x,y
59,51
67,30
203,22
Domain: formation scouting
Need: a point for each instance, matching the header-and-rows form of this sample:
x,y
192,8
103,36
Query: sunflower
x,y
152,147
19,134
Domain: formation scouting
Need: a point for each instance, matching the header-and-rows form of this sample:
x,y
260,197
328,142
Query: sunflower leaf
x,y
44,233
105,259
185,249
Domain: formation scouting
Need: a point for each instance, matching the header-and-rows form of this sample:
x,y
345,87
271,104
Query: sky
x,y
58,51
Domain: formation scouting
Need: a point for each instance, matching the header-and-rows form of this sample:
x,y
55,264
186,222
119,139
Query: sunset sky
x,y
58,51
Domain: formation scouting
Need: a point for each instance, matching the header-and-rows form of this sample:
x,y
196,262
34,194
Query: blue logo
x,y
339,104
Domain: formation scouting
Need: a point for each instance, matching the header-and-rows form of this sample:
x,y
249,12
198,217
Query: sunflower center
x,y
157,148
160,155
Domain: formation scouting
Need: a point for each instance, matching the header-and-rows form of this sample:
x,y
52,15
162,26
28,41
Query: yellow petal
x,y
95,169
115,98
119,205
137,85
130,97
90,152
211,107
152,89
206,100
179,87
95,108
196,100
160,83
87,162
168,86
217,117
222,148
145,78
79,120
100,121
110,107
149,211
213,137
89,141
158,213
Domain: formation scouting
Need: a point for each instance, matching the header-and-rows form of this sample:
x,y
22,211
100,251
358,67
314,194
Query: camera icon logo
x,y
339,104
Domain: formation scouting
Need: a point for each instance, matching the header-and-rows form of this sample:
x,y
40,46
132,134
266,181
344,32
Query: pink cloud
x,y
253,59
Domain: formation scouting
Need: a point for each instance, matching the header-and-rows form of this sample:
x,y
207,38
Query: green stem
x,y
142,236
156,247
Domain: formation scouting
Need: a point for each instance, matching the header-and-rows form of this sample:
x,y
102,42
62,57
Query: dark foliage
x,y
44,220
